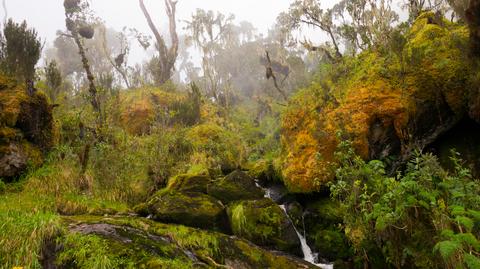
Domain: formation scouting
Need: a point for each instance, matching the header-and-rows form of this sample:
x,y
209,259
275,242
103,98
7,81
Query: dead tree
x,y
167,56
271,74
117,63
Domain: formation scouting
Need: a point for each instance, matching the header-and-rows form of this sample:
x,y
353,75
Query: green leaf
x,y
471,261
469,239
465,221
457,210
447,233
447,248
474,214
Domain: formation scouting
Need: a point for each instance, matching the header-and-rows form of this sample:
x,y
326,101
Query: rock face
x,y
26,128
473,17
264,223
236,186
123,242
386,105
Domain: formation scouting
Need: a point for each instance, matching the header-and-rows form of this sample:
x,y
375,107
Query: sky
x,y
47,16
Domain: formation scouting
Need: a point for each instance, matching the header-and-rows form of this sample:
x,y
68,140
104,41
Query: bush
x,y
19,51
427,217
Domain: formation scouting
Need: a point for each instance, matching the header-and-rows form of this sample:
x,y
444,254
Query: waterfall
x,y
308,254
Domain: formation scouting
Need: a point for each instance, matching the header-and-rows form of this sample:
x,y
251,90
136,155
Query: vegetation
x,y
396,215
109,162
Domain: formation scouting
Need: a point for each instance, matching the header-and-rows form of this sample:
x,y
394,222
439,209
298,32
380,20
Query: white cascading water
x,y
308,254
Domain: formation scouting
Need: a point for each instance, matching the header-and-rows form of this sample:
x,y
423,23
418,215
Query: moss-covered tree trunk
x,y
72,27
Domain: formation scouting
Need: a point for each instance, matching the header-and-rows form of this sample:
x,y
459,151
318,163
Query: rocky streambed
x,y
195,222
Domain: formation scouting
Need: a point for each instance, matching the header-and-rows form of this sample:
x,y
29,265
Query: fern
x,y
447,248
471,261
465,221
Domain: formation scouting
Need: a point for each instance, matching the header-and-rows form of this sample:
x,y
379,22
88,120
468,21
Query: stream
x,y
308,254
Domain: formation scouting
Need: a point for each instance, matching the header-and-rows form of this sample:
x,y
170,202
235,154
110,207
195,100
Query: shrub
x,y
427,217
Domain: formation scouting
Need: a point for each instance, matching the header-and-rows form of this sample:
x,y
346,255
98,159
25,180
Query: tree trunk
x,y
81,51
167,56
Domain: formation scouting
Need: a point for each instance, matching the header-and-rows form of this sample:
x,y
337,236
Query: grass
x,y
26,221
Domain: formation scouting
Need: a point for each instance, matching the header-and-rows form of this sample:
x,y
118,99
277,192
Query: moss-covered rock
x,y
264,223
122,242
322,222
387,104
235,186
191,209
26,128
265,171
189,183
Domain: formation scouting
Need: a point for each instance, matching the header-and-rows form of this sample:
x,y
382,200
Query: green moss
x,y
189,183
213,250
192,209
265,171
332,245
236,186
264,223
93,251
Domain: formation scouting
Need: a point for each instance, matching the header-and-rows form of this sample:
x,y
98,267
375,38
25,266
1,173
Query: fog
x,y
47,16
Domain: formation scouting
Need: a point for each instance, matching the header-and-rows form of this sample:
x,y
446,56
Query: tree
x,y
309,13
211,32
119,62
76,12
53,78
20,50
165,61
365,23
355,24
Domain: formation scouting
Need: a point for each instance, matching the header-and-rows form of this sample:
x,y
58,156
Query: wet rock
x,y
264,223
295,212
191,209
236,186
278,193
141,243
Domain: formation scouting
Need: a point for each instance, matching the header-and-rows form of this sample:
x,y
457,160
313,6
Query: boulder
x,y
124,242
189,183
264,223
191,209
26,128
236,186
